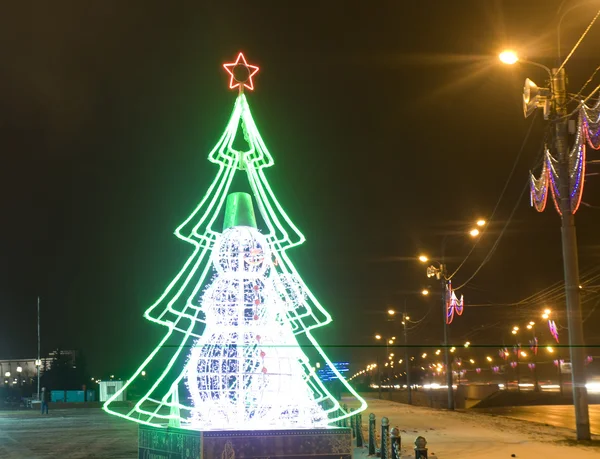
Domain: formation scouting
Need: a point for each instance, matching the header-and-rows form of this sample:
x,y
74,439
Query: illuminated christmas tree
x,y
239,318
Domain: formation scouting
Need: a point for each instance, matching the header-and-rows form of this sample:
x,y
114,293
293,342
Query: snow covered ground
x,y
91,433
467,435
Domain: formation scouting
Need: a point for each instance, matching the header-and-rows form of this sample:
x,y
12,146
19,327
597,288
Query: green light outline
x,y
229,161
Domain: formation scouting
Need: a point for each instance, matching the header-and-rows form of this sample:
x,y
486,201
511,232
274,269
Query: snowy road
x,y
556,415
461,435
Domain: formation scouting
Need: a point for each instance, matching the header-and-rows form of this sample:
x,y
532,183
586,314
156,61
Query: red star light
x,y
241,73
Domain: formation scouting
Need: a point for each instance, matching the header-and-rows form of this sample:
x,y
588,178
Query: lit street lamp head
x,y
508,57
391,312
424,292
481,223
474,232
423,259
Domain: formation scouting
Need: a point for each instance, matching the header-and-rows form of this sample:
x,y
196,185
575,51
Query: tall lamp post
x,y
388,342
566,187
440,273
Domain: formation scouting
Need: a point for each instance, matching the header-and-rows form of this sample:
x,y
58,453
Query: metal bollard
x,y
385,438
353,425
396,442
420,448
359,434
371,434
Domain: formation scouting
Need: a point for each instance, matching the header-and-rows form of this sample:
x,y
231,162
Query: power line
x,y
497,242
589,80
512,171
578,42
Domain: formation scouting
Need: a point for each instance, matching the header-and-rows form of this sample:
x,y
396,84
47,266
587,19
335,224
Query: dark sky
x,y
391,124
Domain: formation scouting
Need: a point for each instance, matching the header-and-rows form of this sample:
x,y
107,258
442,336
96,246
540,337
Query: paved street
x,y
555,415
66,434
91,433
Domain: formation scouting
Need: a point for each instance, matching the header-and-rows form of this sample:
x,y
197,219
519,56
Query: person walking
x,y
45,396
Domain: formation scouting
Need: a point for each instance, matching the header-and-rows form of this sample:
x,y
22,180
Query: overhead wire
x,y
578,42
512,171
498,239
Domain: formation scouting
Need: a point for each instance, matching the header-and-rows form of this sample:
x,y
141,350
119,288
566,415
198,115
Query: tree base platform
x,y
176,443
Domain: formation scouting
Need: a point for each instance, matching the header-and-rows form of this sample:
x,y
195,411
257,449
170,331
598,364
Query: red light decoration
x,y
453,304
241,73
553,329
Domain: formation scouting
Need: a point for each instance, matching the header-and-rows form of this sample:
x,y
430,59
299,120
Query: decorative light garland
x,y
533,345
591,124
191,317
576,168
553,329
453,304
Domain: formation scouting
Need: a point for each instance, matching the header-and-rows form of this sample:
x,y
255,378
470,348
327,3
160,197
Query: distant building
x,y
109,388
16,372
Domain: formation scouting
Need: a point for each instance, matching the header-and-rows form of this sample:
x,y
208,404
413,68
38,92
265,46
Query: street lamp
x,y
508,57
474,232
424,292
568,189
423,259
481,223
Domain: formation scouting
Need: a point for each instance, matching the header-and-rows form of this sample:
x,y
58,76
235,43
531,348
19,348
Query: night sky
x,y
390,125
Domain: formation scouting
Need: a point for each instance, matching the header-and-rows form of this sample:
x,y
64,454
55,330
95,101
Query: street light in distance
x,y
424,292
423,259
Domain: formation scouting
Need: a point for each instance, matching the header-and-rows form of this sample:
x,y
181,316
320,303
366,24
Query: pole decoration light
x,y
533,345
531,366
553,329
513,364
238,316
549,177
591,124
453,304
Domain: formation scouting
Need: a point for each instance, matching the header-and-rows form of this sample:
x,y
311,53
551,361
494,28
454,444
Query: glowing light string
x,y
453,304
553,329
590,119
179,310
539,189
549,176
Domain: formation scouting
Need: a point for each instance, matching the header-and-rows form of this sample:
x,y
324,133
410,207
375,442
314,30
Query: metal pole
x,y
396,443
560,379
385,438
571,267
379,374
371,434
536,387
517,368
446,350
407,359
39,361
